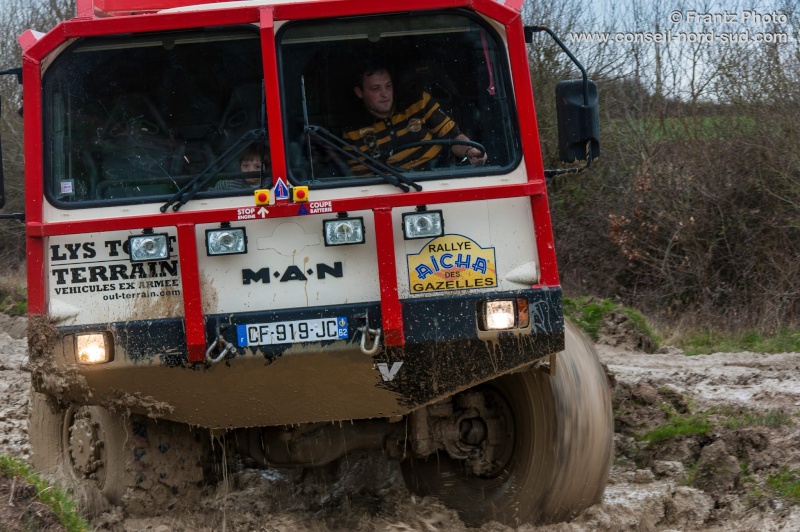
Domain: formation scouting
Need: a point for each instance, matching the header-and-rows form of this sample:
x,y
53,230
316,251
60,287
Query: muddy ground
x,y
712,480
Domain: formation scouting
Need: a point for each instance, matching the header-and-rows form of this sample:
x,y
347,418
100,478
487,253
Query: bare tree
x,y
16,16
699,183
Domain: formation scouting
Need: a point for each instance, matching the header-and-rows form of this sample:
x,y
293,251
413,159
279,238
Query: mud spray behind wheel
x,y
557,453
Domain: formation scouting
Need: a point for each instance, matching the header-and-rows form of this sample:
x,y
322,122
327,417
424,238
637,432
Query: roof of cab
x,y
110,8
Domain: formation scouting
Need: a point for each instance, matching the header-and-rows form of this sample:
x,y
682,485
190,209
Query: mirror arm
x,y
17,71
549,174
530,30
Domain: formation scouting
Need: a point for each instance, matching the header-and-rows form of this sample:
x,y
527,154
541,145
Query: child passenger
x,y
249,163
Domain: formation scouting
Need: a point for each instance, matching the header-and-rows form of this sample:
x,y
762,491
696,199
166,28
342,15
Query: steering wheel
x,y
442,142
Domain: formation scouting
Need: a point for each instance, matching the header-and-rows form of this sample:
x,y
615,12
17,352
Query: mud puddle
x,y
713,479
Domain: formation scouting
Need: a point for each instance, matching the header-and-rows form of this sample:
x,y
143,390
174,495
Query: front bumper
x,y
444,353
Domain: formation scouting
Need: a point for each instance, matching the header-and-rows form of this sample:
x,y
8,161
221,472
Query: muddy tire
x,y
559,446
106,458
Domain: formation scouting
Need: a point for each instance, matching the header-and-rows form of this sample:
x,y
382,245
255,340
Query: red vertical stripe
x,y
192,297
34,188
274,120
387,274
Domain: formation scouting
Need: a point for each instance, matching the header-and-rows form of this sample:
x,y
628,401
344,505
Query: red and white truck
x,y
306,311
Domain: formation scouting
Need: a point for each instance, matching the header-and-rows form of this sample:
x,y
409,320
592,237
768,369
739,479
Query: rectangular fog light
x,y
343,231
504,314
226,241
149,247
500,315
424,224
94,348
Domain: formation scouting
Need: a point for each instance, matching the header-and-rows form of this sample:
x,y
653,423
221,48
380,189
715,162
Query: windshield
x,y
132,119
425,94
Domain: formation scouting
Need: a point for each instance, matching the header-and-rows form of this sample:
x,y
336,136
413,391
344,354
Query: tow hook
x,y
222,344
372,336
375,335
225,348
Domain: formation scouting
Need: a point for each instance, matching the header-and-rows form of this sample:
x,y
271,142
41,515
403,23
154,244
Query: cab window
x,y
448,75
131,119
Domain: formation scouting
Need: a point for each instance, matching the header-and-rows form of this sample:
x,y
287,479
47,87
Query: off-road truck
x,y
175,305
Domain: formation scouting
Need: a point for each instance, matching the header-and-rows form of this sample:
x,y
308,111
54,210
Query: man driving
x,y
388,125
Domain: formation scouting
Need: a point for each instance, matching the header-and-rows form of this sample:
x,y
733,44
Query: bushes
x,y
706,220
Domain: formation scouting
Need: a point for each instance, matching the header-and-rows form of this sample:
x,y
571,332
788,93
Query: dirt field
x,y
712,480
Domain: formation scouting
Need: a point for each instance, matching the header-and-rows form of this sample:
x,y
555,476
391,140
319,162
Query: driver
x,y
387,124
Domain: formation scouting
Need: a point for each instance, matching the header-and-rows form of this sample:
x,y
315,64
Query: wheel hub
x,y
472,431
476,427
85,446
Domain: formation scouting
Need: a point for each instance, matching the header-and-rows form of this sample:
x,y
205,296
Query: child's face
x,y
251,164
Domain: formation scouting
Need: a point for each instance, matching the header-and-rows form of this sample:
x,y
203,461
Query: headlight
x,y
504,314
226,241
343,231
424,224
148,247
94,348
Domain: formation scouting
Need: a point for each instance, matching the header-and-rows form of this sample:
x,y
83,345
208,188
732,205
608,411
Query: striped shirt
x,y
239,183
422,120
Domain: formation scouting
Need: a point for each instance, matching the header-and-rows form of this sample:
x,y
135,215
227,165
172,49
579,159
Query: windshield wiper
x,y
201,180
389,174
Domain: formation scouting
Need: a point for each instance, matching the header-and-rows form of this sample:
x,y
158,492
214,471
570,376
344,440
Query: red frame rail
x,y
381,206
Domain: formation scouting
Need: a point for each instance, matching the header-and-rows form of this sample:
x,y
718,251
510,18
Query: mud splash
x,y
43,340
127,402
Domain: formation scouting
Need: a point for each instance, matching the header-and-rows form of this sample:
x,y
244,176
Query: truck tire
x,y
82,448
107,458
559,446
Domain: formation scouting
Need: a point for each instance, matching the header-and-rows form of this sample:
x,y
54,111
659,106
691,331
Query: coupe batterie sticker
x,y
315,207
451,262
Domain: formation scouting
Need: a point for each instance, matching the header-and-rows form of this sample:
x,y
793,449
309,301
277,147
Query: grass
x,y
13,293
701,423
703,343
690,474
688,128
589,312
53,496
786,484
677,426
771,418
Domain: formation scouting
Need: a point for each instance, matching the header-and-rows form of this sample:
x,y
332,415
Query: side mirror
x,y
578,115
2,177
15,216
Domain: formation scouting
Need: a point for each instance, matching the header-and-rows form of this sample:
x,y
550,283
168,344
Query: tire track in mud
x,y
366,492
14,387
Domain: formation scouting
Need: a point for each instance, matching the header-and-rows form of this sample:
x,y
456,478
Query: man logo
x,y
292,273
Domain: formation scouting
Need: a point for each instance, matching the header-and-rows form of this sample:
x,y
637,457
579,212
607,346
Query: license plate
x,y
289,332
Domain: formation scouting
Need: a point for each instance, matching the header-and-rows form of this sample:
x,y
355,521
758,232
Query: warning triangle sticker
x,y
281,190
